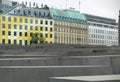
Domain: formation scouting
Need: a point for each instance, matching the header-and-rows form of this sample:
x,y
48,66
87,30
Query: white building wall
x,y
103,34
7,2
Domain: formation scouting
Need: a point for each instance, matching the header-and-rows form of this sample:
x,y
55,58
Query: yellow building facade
x,y
18,30
70,33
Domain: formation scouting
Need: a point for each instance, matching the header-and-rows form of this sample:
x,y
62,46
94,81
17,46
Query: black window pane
x,y
51,29
20,42
41,21
9,41
46,22
20,34
31,34
25,42
3,41
15,42
15,33
46,29
46,35
3,32
51,22
25,33
50,35
9,33
41,28
36,28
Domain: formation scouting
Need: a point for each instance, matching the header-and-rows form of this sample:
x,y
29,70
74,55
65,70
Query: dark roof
x,y
94,18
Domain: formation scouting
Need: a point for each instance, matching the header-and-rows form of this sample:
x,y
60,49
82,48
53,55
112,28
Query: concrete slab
x,y
43,73
98,78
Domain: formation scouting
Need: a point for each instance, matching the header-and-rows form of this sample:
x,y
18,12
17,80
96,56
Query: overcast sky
x,y
105,8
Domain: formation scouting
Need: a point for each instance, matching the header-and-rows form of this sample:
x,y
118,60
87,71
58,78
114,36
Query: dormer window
x,y
44,14
29,12
35,13
39,13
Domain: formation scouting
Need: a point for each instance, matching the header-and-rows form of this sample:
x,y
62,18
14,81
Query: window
x,y
9,33
50,35
9,41
30,42
31,34
50,42
41,35
20,33
15,33
9,18
15,42
41,28
15,26
26,20
46,42
106,26
26,27
20,20
3,18
15,19
25,33
31,21
31,27
39,14
46,29
46,35
3,32
9,26
36,28
51,23
20,42
3,25
25,42
20,27
3,41
46,22
36,21
41,21
51,29
44,14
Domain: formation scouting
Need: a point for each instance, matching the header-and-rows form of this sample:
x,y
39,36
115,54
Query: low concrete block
x,y
43,73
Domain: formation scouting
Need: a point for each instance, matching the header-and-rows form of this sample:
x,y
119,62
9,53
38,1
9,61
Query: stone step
x,y
55,61
43,73
52,60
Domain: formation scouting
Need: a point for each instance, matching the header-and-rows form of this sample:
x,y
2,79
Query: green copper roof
x,y
68,16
